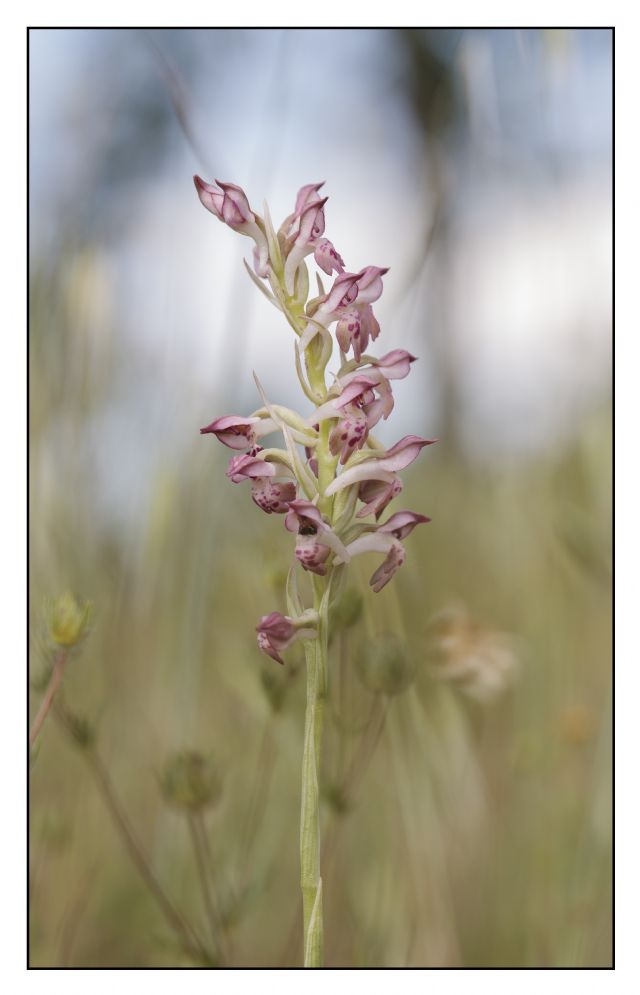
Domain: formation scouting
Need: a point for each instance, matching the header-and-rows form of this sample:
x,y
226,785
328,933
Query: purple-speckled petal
x,y
272,497
402,523
233,431
327,258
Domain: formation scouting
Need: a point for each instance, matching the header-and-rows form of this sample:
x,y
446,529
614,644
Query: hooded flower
x,y
381,468
229,204
248,466
276,632
386,539
395,364
305,238
315,538
237,432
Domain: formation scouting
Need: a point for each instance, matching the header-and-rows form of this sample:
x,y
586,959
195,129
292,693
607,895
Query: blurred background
x,y
467,769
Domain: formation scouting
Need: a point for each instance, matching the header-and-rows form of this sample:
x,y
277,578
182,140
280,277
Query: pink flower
x,y
271,496
386,539
306,195
377,494
229,204
358,409
315,538
350,434
248,466
276,632
343,293
402,523
304,518
395,364
308,228
381,467
237,432
327,258
370,284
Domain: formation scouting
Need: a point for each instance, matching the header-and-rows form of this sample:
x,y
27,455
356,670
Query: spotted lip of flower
x,y
272,497
327,258
233,431
276,632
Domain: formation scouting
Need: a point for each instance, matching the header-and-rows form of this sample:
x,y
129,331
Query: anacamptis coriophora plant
x,y
332,497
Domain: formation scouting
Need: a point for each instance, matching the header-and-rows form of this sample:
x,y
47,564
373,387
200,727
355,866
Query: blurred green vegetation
x,y
462,826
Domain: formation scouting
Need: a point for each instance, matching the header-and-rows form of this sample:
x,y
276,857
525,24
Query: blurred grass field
x,y
467,817
479,833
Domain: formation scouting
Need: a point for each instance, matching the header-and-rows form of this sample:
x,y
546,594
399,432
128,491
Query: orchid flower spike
x,y
332,498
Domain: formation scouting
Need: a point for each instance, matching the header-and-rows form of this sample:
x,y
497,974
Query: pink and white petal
x,y
402,523
371,542
368,470
395,364
305,194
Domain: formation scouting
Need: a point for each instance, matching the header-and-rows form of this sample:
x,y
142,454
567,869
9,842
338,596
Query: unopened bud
x,y
347,610
68,620
190,781
384,665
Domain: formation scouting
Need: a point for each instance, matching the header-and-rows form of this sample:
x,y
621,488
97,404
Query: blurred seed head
x,y
479,660
384,665
81,730
347,610
190,781
68,620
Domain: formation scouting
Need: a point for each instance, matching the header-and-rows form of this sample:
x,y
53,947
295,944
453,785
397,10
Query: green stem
x,y
310,879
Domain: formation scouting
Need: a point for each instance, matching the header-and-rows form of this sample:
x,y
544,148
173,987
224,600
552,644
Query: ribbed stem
x,y
310,878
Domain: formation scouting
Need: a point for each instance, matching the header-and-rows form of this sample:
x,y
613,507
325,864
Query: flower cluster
x,y
333,497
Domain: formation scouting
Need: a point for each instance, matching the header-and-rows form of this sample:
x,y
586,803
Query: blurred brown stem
x,y
203,859
179,925
54,683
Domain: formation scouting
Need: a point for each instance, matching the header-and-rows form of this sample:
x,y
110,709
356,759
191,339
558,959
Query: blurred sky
x,y
518,286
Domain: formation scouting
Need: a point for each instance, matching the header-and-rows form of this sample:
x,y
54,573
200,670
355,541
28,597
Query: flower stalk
x,y
343,463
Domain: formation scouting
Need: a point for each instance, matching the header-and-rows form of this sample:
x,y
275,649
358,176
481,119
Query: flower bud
x,y
68,620
190,781
384,665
